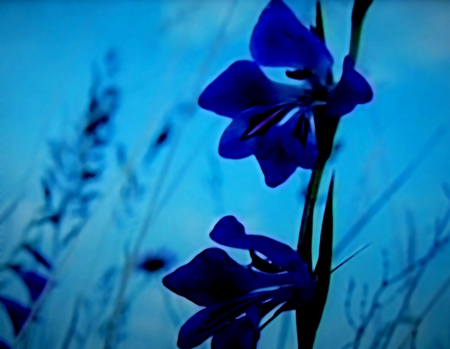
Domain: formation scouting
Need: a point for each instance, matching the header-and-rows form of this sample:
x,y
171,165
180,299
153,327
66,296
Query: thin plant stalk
x,y
111,333
304,245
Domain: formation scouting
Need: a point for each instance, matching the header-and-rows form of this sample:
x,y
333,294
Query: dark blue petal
x,y
232,145
211,319
280,40
17,313
276,169
244,333
242,86
351,90
213,277
299,140
245,132
240,334
230,232
272,158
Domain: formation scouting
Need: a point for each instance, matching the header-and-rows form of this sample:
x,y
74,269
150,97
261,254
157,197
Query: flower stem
x,y
360,8
304,238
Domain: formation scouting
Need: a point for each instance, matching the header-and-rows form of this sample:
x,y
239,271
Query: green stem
x,y
305,233
326,130
360,8
305,238
354,42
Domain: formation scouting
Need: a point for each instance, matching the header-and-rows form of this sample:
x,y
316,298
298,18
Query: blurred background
x,y
104,154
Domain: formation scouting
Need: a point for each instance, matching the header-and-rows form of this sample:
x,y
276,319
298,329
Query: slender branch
x,y
411,274
437,296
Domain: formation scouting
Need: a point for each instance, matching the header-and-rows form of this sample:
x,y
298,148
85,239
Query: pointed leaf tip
x,y
320,32
360,8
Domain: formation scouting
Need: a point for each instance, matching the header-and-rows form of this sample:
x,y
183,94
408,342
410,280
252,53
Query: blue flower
x,y
237,297
259,106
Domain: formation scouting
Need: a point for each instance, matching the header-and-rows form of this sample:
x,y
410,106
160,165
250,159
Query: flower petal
x,y
350,91
272,158
232,145
213,277
299,140
247,130
276,170
242,86
240,334
230,232
280,40
211,319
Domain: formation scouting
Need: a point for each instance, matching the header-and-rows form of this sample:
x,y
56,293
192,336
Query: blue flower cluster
x,y
278,122
237,297
285,127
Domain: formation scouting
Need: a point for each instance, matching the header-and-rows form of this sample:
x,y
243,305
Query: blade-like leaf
x,y
349,258
320,32
305,249
309,315
360,8
304,245
323,266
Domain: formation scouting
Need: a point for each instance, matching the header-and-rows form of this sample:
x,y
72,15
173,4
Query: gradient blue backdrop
x,y
168,52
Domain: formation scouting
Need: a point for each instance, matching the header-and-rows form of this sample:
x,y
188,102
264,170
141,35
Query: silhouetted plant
x,y
70,185
389,314
257,107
